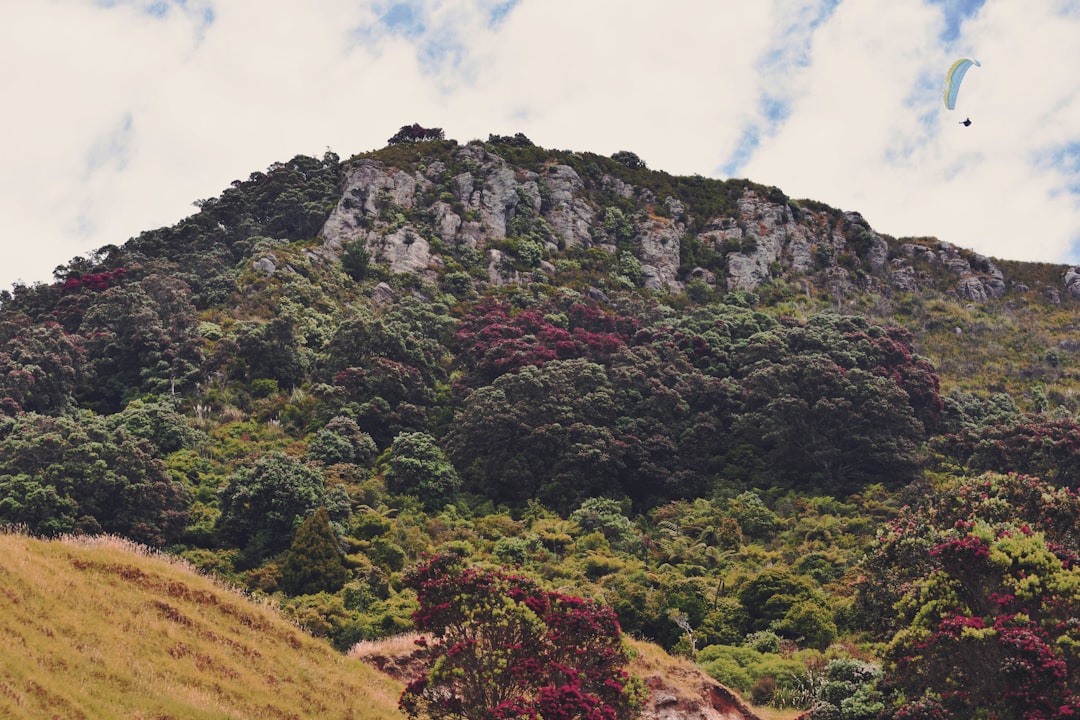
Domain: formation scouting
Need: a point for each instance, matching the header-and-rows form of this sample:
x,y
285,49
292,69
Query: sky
x,y
117,115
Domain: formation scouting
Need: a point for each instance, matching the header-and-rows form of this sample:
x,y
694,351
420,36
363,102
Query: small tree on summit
x,y
416,133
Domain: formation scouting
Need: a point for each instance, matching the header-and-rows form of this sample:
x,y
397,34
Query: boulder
x,y
1071,280
266,264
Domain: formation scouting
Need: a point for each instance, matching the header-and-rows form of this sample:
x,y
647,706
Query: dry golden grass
x,y
99,630
395,646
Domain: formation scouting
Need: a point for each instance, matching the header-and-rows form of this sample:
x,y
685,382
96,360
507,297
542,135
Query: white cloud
x,y
120,114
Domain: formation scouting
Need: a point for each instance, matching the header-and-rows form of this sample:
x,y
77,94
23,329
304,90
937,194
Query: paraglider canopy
x,y
954,77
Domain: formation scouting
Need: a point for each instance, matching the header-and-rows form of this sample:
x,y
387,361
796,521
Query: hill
x,y
99,629
767,435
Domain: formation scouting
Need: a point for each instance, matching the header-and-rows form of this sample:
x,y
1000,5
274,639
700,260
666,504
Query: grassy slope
x,y
97,630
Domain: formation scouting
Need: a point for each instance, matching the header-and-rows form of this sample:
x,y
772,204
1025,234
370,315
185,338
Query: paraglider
x,y
953,78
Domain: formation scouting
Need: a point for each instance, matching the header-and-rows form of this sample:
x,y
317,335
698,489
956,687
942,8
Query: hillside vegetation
x,y
100,629
813,458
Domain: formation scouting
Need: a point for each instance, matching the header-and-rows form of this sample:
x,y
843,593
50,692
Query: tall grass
x,y
102,628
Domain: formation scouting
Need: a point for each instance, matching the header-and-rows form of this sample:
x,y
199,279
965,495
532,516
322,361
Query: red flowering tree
x,y
494,340
503,648
1029,444
984,585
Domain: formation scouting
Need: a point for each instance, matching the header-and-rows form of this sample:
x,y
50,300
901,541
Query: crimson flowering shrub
x,y
94,281
494,340
984,586
1031,444
503,648
40,366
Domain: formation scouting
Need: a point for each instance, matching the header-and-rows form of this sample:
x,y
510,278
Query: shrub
x,y
418,467
763,641
503,648
356,260
763,690
981,577
263,504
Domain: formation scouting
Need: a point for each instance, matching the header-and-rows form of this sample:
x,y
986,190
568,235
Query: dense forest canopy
x,y
832,497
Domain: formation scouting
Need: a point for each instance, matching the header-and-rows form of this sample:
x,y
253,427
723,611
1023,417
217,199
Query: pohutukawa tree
x,y
502,648
981,582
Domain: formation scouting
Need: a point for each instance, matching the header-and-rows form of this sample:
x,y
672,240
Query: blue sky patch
x,y
744,150
956,12
790,49
162,8
1067,160
499,12
403,19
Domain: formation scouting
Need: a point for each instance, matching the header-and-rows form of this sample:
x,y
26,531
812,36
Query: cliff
x,y
479,203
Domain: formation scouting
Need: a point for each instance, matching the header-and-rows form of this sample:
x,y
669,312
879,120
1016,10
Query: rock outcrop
x,y
658,251
1071,279
473,199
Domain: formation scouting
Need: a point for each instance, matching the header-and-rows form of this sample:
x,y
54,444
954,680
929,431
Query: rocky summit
x,y
472,197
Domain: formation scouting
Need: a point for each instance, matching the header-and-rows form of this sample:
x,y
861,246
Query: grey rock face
x,y
903,276
704,275
972,289
658,250
979,279
773,235
404,250
383,294
570,215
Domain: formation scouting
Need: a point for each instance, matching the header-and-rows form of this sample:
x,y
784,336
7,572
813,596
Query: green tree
x,y
384,366
314,562
606,516
263,504
356,260
342,441
272,349
40,366
826,427
770,595
140,338
418,467
75,473
156,420
543,432
1030,444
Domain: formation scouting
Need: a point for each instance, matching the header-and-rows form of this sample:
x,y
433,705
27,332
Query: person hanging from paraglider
x,y
952,83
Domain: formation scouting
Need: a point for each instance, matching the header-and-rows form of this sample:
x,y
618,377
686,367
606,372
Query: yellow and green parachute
x,y
954,77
